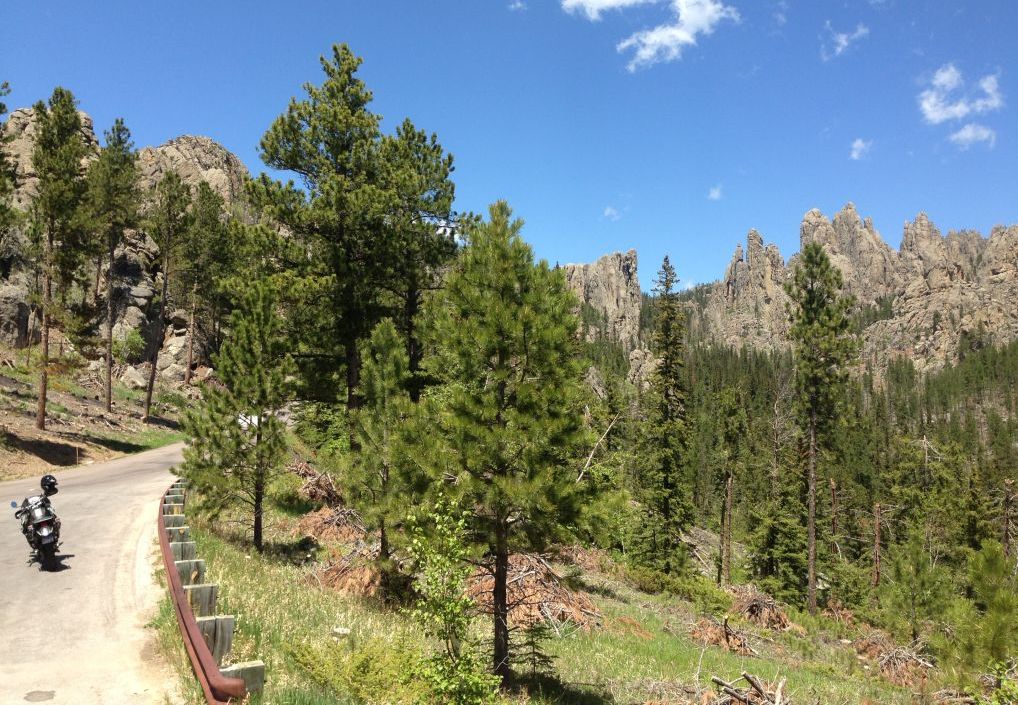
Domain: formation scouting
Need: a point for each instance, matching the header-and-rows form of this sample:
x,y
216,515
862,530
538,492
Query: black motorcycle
x,y
40,524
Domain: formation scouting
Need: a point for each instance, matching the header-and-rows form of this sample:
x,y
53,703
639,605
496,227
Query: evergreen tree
x,y
374,478
169,221
823,346
335,250
113,198
918,591
417,171
206,253
57,211
732,446
239,441
505,346
664,485
992,634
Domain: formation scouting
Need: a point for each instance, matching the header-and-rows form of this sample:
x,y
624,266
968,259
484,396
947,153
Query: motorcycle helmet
x,y
49,485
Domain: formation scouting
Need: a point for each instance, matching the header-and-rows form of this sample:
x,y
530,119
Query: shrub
x,y
704,594
129,349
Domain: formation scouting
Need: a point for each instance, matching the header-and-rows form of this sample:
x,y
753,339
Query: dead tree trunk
x,y
47,303
1007,529
190,334
108,382
876,544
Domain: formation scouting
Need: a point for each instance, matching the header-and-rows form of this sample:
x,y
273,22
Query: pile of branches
x,y
355,574
873,646
839,613
536,593
757,692
333,525
904,666
759,608
710,632
318,486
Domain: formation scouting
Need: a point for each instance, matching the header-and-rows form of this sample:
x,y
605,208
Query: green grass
x,y
285,619
138,441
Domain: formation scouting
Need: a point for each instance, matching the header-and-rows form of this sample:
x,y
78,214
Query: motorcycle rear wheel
x,y
48,557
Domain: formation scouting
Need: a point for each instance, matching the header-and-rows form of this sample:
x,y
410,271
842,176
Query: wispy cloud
x,y
593,8
714,194
860,148
517,6
946,98
665,42
780,13
837,43
612,213
973,133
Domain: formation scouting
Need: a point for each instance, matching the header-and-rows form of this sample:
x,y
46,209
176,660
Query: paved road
x,y
78,636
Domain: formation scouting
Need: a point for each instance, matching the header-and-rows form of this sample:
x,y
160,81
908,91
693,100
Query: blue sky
x,y
670,126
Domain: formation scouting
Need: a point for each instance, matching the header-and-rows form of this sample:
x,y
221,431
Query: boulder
x,y
134,378
15,317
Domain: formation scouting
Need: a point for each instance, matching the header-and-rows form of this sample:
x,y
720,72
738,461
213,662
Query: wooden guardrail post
x,y
252,672
184,550
178,534
191,572
218,633
202,598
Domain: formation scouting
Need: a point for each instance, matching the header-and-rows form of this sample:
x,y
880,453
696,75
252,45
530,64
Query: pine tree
x,y
418,170
239,441
734,429
665,489
374,478
823,345
505,347
57,211
918,589
113,198
169,221
336,248
205,251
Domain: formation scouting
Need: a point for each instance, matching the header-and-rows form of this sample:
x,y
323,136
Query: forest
x,y
429,372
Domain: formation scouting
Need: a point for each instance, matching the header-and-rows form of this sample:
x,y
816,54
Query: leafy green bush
x,y
129,349
455,673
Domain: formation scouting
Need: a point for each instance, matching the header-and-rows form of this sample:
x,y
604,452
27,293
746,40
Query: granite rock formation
x,y
137,261
611,289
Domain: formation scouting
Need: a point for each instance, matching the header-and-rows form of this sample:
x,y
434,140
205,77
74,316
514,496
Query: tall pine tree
x,y
823,345
505,347
113,199
169,221
664,487
336,249
57,211
239,441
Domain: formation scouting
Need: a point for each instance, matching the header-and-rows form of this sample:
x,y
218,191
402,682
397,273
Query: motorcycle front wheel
x,y
48,556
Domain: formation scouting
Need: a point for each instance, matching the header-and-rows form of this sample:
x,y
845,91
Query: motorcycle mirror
x,y
14,504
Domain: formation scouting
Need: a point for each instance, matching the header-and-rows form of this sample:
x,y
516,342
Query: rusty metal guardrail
x,y
219,688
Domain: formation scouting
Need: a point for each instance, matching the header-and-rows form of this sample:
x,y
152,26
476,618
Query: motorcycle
x,y
40,524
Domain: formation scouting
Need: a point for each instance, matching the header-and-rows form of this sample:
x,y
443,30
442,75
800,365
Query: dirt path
x,y
78,636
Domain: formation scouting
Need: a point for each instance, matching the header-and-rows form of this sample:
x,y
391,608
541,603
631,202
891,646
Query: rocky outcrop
x,y
610,288
21,128
931,296
137,261
195,159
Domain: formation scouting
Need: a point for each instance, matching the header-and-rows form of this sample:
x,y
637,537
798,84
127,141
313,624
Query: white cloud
x,y
839,42
593,8
666,41
611,213
860,148
973,133
946,99
714,194
517,5
780,13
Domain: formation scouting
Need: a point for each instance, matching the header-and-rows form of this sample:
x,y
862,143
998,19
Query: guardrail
x,y
207,637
